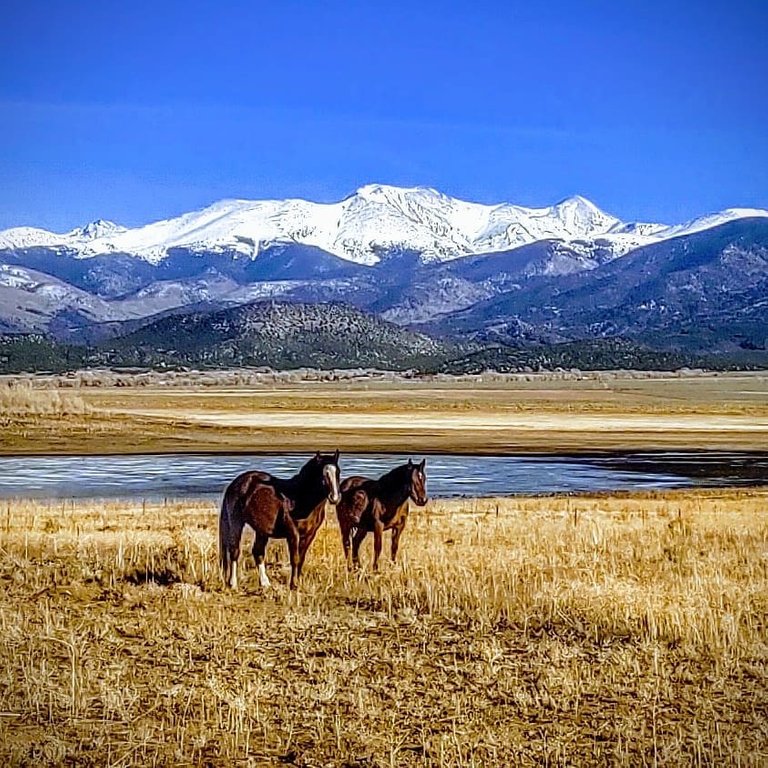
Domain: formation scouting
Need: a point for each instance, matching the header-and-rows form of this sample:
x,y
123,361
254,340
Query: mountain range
x,y
364,228
465,272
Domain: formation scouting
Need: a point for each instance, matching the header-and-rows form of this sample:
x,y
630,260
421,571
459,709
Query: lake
x,y
196,475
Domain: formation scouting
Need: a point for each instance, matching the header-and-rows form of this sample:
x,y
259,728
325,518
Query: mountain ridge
x,y
363,227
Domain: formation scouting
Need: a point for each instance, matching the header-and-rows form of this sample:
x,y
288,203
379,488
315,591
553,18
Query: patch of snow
x,y
29,237
712,220
17,277
97,229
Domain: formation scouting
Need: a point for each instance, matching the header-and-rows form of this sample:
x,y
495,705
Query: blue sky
x,y
139,111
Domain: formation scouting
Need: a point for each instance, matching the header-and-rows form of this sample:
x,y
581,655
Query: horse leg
x,y
378,535
304,543
259,550
357,540
293,540
346,542
396,531
233,551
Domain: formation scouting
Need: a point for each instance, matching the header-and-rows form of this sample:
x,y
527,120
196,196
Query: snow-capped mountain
x,y
413,256
364,228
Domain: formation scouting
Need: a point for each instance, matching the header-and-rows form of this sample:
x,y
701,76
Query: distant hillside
x,y
36,353
279,335
589,355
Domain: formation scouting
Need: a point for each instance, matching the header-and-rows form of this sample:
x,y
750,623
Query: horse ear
x,y
421,466
336,457
410,462
317,456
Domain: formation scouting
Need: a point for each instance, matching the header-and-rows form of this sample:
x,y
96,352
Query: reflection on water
x,y
178,475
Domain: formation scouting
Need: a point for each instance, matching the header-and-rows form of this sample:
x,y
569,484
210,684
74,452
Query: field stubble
x,y
544,631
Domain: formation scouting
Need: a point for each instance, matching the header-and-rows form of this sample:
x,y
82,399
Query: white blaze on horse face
x,y
263,578
419,487
331,474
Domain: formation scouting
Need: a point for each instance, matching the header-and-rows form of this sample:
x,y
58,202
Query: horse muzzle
x,y
334,498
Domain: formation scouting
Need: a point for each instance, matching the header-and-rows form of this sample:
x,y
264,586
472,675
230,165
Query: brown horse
x,y
275,508
378,505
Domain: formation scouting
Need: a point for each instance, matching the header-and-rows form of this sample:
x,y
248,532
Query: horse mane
x,y
396,479
302,488
310,469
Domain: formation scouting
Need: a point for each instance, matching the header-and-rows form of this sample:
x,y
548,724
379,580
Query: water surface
x,y
184,475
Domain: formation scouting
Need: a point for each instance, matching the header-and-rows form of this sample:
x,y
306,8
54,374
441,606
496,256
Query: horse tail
x,y
225,559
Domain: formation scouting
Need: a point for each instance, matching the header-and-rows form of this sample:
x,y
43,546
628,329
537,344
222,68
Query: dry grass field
x,y
625,630
483,414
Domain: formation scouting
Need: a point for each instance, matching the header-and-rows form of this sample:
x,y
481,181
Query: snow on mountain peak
x,y
715,219
96,229
386,191
577,201
376,220
30,237
581,216
371,191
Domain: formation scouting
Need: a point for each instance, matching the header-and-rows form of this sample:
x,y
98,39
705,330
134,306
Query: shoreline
x,y
586,454
483,416
746,491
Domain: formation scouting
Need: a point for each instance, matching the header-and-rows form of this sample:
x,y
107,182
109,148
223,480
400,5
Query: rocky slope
x,y
278,335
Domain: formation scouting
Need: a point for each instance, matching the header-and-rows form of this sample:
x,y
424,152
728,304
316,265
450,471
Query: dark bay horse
x,y
374,506
292,509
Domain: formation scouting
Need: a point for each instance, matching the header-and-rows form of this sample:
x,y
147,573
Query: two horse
x,y
294,509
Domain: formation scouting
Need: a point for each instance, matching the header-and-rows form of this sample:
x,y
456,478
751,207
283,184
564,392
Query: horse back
x,y
353,482
246,481
254,498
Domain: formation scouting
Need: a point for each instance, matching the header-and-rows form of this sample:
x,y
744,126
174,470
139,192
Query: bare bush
x,y
22,399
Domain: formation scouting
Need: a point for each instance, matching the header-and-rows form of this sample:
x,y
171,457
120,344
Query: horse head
x,y
329,466
418,492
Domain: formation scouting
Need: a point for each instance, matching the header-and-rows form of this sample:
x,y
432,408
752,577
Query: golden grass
x,y
623,630
482,415
20,400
